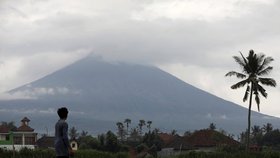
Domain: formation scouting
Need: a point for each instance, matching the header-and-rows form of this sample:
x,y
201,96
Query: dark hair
x,y
62,112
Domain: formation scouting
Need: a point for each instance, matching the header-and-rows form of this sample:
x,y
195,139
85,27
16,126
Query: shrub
x,y
141,147
238,154
38,153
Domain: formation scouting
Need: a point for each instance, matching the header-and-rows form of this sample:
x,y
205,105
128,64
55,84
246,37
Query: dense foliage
x,y
104,142
26,153
241,154
264,136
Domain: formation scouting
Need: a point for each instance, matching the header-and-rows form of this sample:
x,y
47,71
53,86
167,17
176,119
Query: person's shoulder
x,y
64,123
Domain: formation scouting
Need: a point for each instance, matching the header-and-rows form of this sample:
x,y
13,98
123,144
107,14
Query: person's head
x,y
62,113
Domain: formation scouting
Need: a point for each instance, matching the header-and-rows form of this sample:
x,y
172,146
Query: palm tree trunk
x,y
127,128
249,118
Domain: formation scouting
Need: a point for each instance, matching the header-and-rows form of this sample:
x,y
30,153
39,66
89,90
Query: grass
x,y
46,153
38,153
240,154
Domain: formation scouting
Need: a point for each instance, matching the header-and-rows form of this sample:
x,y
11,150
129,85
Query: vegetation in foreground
x,y
136,142
240,154
26,153
48,153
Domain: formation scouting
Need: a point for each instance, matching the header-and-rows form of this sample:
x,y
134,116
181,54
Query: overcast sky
x,y
191,39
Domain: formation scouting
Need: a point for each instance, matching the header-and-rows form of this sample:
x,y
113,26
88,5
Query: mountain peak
x,y
112,91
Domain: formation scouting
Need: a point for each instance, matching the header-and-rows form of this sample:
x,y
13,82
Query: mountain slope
x,y
99,94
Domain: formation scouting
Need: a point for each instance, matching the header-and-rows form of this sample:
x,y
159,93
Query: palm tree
x,y
156,130
121,131
149,125
127,121
141,124
84,133
73,133
212,126
257,134
253,67
173,132
256,130
267,128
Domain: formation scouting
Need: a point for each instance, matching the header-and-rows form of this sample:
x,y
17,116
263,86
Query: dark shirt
x,y
62,144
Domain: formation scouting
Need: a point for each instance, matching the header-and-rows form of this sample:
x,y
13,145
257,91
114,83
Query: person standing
x,y
62,145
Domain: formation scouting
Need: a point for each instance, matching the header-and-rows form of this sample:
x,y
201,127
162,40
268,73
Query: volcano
x,y
99,94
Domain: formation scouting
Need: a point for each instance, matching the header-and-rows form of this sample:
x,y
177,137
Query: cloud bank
x,y
193,40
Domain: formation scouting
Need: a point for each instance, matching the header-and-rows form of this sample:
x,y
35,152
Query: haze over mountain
x,y
99,94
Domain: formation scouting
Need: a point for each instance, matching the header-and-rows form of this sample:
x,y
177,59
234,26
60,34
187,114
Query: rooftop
x,y
201,138
24,128
4,129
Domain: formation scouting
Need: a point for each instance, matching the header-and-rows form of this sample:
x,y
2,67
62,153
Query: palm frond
x,y
246,94
265,63
237,74
256,93
247,67
259,61
266,71
239,61
262,90
253,61
240,84
261,58
257,98
268,81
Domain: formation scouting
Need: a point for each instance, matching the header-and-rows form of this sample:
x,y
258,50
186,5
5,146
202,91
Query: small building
x,y
6,137
173,145
202,140
21,137
207,139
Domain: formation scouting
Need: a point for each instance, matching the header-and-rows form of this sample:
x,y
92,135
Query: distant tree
x,y
173,132
272,138
88,142
223,131
156,130
73,134
102,138
231,136
140,125
267,128
11,125
243,137
127,122
84,133
257,134
212,126
149,125
121,131
187,133
135,135
111,143
256,130
253,66
152,139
